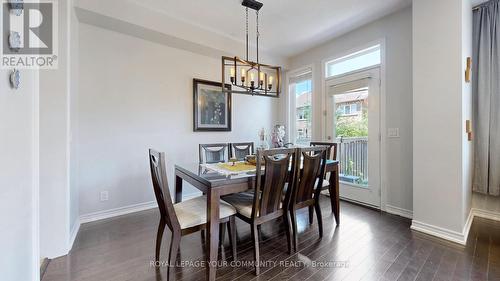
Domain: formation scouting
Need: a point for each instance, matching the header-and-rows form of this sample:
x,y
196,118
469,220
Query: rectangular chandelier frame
x,y
266,80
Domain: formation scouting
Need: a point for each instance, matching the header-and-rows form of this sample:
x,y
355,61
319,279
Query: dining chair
x,y
185,217
241,149
331,154
266,202
307,186
213,153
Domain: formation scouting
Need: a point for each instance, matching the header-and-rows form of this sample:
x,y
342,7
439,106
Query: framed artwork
x,y
211,106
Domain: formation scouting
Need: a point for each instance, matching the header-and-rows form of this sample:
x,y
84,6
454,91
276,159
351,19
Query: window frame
x,y
293,77
352,55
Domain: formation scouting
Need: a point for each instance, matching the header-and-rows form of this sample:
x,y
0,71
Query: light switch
x,y
393,132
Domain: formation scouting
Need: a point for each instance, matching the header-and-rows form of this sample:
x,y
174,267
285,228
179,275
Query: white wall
x,y
467,148
19,259
74,54
133,95
54,144
58,188
396,30
441,102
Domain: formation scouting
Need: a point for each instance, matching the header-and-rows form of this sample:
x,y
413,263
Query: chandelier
x,y
249,77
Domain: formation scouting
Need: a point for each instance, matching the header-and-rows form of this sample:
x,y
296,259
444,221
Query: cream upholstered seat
x,y
242,202
193,212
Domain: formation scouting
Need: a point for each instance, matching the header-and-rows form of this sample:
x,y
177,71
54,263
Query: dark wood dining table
x,y
215,185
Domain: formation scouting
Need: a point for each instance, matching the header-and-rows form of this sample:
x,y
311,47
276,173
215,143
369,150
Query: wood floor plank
x,y
412,269
446,265
358,254
315,253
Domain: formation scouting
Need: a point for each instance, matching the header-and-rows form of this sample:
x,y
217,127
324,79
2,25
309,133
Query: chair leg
x,y
259,230
231,228
255,238
222,238
172,256
293,217
222,234
288,231
311,214
159,236
320,219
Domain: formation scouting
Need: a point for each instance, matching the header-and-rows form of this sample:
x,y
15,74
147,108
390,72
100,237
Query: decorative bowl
x,y
252,159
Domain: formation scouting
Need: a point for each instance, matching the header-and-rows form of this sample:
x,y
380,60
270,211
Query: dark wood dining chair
x,y
266,202
331,154
241,149
307,186
214,153
185,217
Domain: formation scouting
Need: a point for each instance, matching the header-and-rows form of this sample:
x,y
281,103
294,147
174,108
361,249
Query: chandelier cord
x,y
247,29
258,34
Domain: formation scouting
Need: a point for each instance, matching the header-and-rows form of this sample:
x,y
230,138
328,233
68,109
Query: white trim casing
x,y
101,215
450,235
371,78
383,107
398,211
480,213
35,195
460,238
290,129
106,214
73,234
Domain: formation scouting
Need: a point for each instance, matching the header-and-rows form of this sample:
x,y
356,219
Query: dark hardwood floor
x,y
368,245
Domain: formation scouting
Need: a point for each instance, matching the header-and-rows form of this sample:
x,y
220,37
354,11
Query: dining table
x,y
214,184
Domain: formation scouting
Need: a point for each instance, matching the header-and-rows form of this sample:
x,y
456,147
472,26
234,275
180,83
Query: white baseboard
x,y
450,235
73,234
399,211
485,214
106,214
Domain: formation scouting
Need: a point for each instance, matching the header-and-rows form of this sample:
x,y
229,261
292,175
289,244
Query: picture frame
x,y
212,108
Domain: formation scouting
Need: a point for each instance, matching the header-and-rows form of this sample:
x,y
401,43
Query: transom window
x,y
358,60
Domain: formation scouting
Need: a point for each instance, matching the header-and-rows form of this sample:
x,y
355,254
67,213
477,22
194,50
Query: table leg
x,y
178,189
213,200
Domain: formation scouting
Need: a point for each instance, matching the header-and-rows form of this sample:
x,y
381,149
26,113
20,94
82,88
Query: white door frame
x,y
383,103
371,196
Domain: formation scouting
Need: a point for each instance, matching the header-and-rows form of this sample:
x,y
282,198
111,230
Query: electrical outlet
x,y
104,195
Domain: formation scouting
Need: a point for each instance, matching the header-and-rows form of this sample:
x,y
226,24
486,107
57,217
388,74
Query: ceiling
x,y
287,27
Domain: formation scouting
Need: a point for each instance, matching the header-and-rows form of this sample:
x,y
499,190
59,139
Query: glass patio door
x,y
353,121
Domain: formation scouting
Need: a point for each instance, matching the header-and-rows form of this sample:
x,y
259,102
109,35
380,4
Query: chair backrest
x,y
331,151
312,173
270,183
213,153
160,186
241,149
